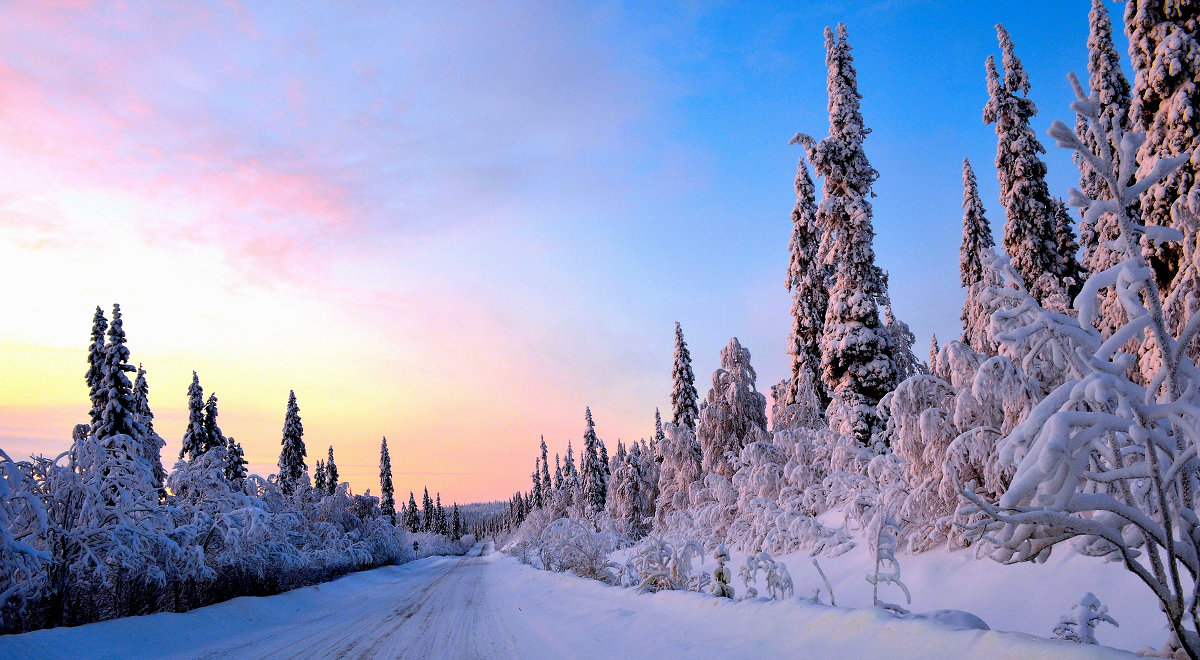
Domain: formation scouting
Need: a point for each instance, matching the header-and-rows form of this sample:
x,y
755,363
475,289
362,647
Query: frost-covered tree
x,y
428,513
235,464
545,477
388,492
1079,625
631,494
657,438
291,456
680,468
332,479
976,237
1101,460
1068,249
900,343
683,388
808,280
320,478
194,438
412,518
572,483
594,480
558,473
1165,105
1029,237
856,360
152,443
95,370
118,417
1108,82
213,437
735,413
536,478
439,524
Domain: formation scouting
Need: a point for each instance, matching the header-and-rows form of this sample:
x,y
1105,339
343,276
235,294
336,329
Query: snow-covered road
x,y
487,605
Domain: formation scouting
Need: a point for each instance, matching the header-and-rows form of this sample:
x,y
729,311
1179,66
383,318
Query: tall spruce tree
x,y
95,370
1164,48
235,464
856,356
546,483
1029,233
808,280
213,437
291,456
332,479
558,472
683,390
1068,249
118,417
412,517
594,484
439,525
320,484
427,512
976,237
152,444
657,440
456,524
1112,91
194,440
536,476
387,503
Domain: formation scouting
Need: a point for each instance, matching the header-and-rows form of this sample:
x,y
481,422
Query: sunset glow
x,y
455,226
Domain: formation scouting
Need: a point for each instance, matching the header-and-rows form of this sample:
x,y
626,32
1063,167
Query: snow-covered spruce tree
x,y
1103,461
594,480
95,361
1108,82
735,413
683,388
332,479
536,478
291,456
387,503
194,440
118,417
657,438
412,518
558,473
235,464
808,281
213,437
455,524
631,493
1067,246
320,481
1029,238
439,524
679,469
572,484
934,369
546,483
428,514
900,344
976,237
856,362
152,443
1165,53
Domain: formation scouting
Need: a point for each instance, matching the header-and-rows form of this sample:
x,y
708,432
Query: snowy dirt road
x,y
486,605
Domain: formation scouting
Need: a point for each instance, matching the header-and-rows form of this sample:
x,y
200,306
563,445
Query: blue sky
x,y
457,225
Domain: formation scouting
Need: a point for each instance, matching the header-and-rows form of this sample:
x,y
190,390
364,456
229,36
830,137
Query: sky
x,y
458,224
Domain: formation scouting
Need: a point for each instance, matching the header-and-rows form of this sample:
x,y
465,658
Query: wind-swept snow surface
x,y
487,605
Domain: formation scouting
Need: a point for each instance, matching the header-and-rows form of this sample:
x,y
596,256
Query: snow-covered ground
x,y
489,605
1026,597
